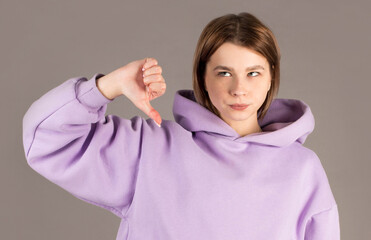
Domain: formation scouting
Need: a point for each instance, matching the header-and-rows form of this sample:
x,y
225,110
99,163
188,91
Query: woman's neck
x,y
243,129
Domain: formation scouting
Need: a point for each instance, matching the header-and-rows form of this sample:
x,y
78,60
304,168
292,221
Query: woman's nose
x,y
239,92
238,88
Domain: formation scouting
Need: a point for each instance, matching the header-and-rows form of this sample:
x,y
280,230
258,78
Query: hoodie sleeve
x,y
68,140
324,225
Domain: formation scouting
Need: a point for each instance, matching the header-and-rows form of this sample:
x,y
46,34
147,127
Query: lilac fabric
x,y
193,178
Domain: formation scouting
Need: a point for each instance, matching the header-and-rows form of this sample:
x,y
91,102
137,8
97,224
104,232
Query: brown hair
x,y
244,30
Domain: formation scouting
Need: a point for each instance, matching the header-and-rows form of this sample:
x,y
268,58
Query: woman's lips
x,y
239,106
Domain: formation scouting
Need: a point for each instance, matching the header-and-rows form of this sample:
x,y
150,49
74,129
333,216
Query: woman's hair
x,y
244,30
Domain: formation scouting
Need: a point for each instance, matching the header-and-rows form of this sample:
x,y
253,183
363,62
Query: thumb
x,y
151,112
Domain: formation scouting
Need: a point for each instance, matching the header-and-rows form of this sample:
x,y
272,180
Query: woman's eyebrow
x,y
254,67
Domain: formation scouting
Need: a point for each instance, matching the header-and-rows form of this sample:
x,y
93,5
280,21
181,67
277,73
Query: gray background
x,y
325,62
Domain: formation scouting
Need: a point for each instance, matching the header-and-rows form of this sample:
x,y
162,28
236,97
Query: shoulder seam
x,y
125,215
323,211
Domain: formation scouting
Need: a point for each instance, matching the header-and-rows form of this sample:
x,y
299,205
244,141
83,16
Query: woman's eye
x,y
222,73
254,74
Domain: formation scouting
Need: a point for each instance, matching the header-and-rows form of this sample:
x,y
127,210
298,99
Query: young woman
x,y
231,165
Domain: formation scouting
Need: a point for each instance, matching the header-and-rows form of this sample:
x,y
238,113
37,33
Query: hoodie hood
x,y
286,121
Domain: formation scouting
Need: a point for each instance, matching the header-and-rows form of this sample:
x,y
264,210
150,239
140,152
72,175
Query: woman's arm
x,y
68,139
324,225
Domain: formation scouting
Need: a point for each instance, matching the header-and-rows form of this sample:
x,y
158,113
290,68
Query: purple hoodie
x,y
192,179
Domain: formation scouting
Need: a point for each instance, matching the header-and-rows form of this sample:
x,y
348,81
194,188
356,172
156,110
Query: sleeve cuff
x,y
88,94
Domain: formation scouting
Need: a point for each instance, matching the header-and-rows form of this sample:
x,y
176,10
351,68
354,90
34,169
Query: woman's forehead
x,y
232,54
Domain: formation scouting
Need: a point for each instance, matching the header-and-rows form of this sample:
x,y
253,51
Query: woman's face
x,y
237,75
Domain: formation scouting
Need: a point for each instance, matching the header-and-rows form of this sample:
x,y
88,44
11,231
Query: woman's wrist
x,y
108,87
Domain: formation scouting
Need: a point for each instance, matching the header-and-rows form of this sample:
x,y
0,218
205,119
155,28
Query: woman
x,y
231,166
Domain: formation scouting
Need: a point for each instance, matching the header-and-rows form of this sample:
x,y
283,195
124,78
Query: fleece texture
x,y
193,178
